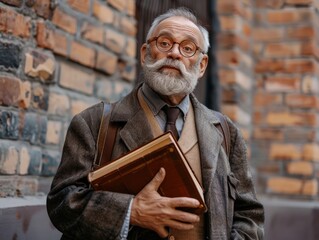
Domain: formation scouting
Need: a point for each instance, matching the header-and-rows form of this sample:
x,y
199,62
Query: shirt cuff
x,y
126,224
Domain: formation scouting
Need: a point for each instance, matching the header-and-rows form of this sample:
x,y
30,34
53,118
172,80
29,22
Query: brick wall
x,y
286,97
268,57
57,58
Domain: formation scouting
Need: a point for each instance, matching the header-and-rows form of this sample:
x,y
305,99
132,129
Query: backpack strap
x,y
106,138
223,127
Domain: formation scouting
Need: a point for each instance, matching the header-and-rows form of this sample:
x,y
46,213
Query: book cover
x,y
131,172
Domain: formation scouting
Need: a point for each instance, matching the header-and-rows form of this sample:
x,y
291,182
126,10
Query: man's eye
x,y
165,44
188,48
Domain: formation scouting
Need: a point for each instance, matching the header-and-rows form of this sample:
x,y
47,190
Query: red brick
x,y
131,4
16,3
73,77
286,66
42,8
284,185
48,37
10,159
268,34
269,168
92,33
118,4
114,41
231,40
310,187
82,6
282,83
268,134
64,21
292,119
230,23
234,58
300,168
82,54
106,62
130,49
233,7
14,23
302,101
285,151
103,13
58,104
237,114
128,25
267,99
290,16
299,2
232,76
54,131
14,92
311,152
291,49
303,32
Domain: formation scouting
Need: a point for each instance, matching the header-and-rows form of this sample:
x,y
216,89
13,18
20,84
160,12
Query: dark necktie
x,y
172,114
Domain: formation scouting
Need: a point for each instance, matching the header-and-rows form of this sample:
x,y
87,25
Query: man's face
x,y
170,72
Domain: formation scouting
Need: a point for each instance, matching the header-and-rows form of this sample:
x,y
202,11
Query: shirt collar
x,y
156,103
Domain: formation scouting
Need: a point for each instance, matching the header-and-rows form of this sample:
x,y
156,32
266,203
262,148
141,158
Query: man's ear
x,y
203,65
143,53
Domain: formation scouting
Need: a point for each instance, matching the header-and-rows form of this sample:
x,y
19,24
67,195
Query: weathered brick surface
x,y
93,33
16,3
75,78
64,21
82,54
51,55
40,65
82,6
106,62
103,12
300,168
54,129
48,37
10,55
14,23
41,7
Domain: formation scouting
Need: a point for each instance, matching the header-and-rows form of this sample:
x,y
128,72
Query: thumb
x,y
156,181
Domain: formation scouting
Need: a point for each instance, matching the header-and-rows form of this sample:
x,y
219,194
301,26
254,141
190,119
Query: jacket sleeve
x,y
248,216
73,207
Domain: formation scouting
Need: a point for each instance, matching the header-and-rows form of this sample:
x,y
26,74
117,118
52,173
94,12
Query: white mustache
x,y
168,62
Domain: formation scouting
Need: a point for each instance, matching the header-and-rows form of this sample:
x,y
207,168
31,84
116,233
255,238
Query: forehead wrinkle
x,y
169,34
178,29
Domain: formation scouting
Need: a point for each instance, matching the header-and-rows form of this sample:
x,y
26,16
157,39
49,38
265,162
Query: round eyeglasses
x,y
187,48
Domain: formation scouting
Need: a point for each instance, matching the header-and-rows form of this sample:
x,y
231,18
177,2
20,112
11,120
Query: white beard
x,y
170,84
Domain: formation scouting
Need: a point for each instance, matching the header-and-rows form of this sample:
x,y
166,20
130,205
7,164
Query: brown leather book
x,y
131,172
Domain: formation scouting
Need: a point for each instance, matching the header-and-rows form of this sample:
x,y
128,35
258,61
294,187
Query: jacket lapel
x,y
136,130
209,139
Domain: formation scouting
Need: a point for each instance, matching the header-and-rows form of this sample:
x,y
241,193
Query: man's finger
x,y
156,181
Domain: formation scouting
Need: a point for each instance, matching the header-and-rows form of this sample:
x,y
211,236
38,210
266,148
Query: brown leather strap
x,y
223,127
106,138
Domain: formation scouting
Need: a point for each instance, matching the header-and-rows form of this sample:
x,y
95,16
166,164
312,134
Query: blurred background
x,y
59,57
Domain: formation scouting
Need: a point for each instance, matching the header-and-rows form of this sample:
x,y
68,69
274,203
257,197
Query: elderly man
x,y
173,59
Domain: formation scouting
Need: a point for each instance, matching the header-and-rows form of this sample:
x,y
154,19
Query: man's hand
x,y
152,211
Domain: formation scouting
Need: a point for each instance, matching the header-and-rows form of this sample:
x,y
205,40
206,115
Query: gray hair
x,y
180,12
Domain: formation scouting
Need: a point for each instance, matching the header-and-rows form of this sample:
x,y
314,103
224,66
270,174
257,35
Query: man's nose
x,y
174,52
